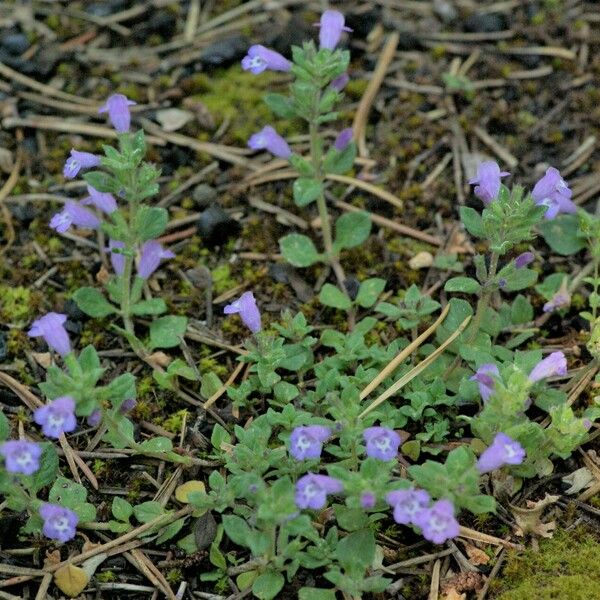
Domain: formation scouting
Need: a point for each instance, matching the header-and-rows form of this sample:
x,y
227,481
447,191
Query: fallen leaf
x,y
52,558
71,580
44,359
476,555
205,531
182,492
160,358
172,119
529,519
578,480
422,260
102,276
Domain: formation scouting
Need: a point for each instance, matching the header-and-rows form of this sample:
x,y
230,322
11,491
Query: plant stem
x,y
484,299
126,295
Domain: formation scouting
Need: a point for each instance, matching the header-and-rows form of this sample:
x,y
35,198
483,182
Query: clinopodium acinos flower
x,y
484,378
57,417
407,504
487,181
343,139
307,442
117,107
79,160
268,139
59,523
340,82
151,254
312,490
74,214
555,364
502,451
103,201
51,328
382,443
332,25
552,191
21,456
117,259
368,500
246,306
524,259
437,523
260,59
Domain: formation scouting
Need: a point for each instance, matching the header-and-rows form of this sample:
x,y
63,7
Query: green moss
x,y
566,566
106,577
15,303
222,280
208,364
174,422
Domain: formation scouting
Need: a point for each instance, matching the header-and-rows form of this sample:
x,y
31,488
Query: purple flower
x,y
438,523
552,191
524,259
74,214
116,258
128,405
59,523
245,305
21,456
332,25
94,419
57,417
559,300
117,107
382,443
555,364
260,59
502,451
51,328
407,504
101,200
151,255
79,160
340,82
312,490
343,139
368,500
487,181
307,442
484,378
267,138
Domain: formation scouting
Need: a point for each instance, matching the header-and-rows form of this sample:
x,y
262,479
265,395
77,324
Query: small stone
x,y
204,195
44,359
445,10
422,260
162,22
216,226
14,42
172,119
205,531
485,23
295,33
352,286
73,311
225,52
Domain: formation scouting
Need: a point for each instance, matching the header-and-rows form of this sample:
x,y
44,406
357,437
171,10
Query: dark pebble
x,y
485,23
177,157
225,52
279,272
204,195
162,22
3,345
216,226
363,23
14,42
73,326
205,531
352,285
295,33
72,311
24,213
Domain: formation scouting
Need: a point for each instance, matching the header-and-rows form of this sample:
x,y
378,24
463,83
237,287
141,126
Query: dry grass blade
x,y
404,354
7,188
224,387
415,371
473,534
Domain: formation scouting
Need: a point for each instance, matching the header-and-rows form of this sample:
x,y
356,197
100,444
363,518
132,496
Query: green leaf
x,y
121,509
369,291
148,511
246,579
561,234
466,285
351,230
337,162
334,297
357,550
299,250
119,389
72,495
285,392
210,384
303,166
154,306
311,593
101,181
521,310
237,529
167,331
157,444
150,222
93,303
280,105
267,585
48,470
88,359
170,531
472,221
4,427
306,190
479,504
519,279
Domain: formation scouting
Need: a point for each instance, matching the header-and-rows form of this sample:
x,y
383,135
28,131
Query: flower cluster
x,y
551,190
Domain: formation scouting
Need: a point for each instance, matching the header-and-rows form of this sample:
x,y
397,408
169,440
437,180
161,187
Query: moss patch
x,y
15,303
566,566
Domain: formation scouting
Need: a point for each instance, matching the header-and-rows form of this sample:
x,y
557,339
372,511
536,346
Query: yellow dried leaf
x,y
476,555
71,580
181,493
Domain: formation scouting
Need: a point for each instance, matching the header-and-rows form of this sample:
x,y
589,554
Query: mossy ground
x,y
566,567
